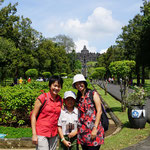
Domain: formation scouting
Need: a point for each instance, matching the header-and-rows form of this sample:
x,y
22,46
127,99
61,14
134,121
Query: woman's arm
x,y
37,106
66,143
97,102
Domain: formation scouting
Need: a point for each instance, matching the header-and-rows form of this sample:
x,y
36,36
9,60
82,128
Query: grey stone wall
x,y
16,143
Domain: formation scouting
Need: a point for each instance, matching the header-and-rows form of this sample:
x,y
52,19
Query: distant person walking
x,y
29,80
20,80
44,129
90,129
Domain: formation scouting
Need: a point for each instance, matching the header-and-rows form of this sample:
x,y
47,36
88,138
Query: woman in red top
x,y
90,129
44,129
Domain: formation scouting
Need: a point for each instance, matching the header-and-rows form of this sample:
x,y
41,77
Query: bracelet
x,y
62,139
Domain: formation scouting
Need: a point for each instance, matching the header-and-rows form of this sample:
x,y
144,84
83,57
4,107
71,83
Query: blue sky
x,y
94,23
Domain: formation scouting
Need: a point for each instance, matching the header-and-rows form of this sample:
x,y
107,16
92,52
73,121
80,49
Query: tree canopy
x,y
23,48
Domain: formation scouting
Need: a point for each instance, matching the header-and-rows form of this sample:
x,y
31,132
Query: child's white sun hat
x,y
69,94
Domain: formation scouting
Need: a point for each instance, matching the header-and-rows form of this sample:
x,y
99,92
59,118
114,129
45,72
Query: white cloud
x,y
99,24
103,51
80,44
98,28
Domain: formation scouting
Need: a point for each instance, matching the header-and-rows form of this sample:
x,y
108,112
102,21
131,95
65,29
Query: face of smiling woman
x,y
55,88
80,86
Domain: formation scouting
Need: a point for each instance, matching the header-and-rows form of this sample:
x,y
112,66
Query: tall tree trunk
x,y
138,74
143,74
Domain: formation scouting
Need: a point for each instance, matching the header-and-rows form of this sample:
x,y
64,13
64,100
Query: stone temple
x,y
86,56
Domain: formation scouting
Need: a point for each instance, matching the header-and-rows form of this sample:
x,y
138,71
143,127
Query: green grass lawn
x,y
12,132
127,136
147,86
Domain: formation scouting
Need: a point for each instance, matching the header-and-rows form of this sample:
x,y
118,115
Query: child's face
x,y
69,102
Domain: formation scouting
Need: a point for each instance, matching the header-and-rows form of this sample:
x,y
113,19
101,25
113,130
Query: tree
x,y
8,52
8,20
122,69
26,39
145,38
65,41
130,40
72,60
99,73
46,74
52,58
31,73
113,53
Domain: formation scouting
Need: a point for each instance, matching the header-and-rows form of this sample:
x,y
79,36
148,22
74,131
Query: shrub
x,y
46,74
16,102
31,73
70,75
63,74
56,74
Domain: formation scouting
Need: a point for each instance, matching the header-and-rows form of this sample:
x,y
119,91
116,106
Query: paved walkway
x,y
114,90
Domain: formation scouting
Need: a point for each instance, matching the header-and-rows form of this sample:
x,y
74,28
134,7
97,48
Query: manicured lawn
x,y
16,132
127,136
147,86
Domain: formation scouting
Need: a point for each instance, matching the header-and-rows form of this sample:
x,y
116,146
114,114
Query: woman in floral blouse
x,y
90,129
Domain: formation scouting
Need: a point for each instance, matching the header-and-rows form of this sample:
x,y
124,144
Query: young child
x,y
67,123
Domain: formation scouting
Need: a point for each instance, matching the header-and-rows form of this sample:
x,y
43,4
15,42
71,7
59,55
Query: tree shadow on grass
x,y
127,125
117,109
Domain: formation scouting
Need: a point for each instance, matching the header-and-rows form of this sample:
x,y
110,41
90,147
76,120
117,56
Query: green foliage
x,y
8,53
70,75
27,48
52,58
101,71
12,132
98,73
121,68
46,74
17,102
91,64
56,74
78,64
31,73
63,74
94,75
137,97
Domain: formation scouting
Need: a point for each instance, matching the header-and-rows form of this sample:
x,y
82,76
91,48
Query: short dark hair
x,y
54,78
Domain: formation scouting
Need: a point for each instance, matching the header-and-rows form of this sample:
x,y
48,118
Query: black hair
x,y
79,94
54,78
